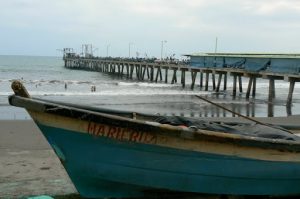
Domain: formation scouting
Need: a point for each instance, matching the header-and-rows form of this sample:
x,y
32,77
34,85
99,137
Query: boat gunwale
x,y
144,116
46,106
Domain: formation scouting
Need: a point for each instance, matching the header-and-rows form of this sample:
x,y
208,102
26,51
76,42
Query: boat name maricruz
x,y
122,134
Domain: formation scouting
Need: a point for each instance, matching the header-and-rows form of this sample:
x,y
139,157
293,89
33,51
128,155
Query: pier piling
x,y
234,85
291,90
194,75
206,80
219,82
240,84
201,79
174,78
225,82
166,74
271,89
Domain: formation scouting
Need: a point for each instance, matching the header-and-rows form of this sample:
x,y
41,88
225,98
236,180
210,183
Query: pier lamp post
x,y
95,50
162,49
129,48
107,47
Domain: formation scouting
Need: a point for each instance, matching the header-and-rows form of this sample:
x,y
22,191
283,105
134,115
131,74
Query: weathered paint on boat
x,y
182,142
107,155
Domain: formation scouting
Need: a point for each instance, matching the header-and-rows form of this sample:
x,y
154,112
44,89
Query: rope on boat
x,y
240,115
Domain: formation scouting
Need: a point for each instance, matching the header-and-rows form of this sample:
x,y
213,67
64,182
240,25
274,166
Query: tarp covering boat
x,y
254,130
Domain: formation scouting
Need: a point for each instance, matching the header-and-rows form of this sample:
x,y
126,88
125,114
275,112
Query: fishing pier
x,y
213,68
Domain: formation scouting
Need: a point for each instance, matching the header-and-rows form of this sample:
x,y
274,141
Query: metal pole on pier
x,y
129,46
107,47
216,45
162,49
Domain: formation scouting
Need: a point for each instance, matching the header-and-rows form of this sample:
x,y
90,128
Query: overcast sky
x,y
39,27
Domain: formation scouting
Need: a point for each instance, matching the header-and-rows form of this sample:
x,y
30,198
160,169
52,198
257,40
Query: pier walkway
x,y
143,70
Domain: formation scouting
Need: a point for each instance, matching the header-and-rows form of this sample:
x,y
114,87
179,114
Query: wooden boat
x,y
110,153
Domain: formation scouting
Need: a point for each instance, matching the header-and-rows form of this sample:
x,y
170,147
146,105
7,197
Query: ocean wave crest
x,y
147,84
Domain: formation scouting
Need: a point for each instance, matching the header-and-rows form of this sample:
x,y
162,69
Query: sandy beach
x,y
28,166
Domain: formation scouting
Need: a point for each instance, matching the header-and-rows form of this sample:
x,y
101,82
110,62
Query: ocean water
x,y
46,77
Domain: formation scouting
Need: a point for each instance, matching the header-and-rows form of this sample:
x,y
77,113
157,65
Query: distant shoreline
x,y
53,56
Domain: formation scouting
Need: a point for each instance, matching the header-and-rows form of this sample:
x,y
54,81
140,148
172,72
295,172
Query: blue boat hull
x,y
104,167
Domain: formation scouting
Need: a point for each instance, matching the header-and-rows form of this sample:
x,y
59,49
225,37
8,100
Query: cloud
x,y
268,7
192,24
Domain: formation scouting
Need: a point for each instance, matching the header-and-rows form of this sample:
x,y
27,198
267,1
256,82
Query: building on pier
x,y
252,62
252,65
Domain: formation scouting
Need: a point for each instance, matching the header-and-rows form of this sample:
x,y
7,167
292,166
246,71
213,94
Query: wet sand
x,y
28,166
